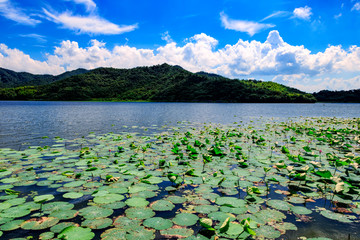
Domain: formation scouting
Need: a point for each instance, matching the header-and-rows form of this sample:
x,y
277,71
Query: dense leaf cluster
x,y
157,83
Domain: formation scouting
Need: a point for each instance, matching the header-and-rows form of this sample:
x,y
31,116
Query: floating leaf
x,y
113,234
39,223
185,219
95,212
139,212
137,202
98,223
108,198
162,205
76,233
158,223
73,195
177,232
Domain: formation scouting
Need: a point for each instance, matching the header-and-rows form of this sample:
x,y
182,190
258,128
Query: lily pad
x,y
162,205
76,233
126,224
139,212
158,223
108,198
279,204
15,224
140,234
98,223
93,212
65,214
43,198
335,216
177,232
39,223
137,202
114,234
73,195
185,219
61,226
300,210
267,232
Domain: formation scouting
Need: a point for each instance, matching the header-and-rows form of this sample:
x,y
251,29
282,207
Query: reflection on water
x,y
27,122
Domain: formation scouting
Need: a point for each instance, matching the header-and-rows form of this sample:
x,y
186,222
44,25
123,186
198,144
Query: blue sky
x,y
310,45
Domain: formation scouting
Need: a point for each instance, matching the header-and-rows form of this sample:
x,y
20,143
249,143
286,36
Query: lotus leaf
x,y
95,212
108,198
39,223
16,212
46,236
158,223
285,226
74,184
140,233
227,209
206,209
5,220
177,232
267,232
137,202
300,210
176,199
114,234
43,198
56,206
64,214
335,216
61,226
16,201
126,224
279,204
232,201
98,223
296,200
139,212
15,224
135,189
221,216
114,205
76,233
235,229
185,219
73,195
269,215
162,205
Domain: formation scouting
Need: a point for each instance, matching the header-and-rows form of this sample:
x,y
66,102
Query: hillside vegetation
x,y
156,83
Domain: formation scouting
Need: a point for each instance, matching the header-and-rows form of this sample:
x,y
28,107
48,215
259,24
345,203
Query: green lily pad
x,y
137,202
335,216
279,204
16,212
177,232
206,209
76,233
108,198
231,201
15,224
176,199
95,212
300,210
162,205
114,234
39,223
296,200
140,234
61,226
139,212
158,223
98,223
73,195
43,198
46,236
65,214
185,219
126,224
56,206
267,232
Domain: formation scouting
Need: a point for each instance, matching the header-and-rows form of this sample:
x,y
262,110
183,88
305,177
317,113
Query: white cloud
x,y
38,37
16,60
89,4
9,11
302,13
356,7
88,24
248,27
166,37
273,59
276,15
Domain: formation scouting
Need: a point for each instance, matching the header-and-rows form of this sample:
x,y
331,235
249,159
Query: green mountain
x,y
157,83
10,78
350,96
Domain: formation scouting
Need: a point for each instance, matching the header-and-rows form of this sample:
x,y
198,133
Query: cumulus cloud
x,y
9,11
248,27
273,59
302,13
88,24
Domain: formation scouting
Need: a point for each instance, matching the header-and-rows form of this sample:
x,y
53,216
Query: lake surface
x,y
24,123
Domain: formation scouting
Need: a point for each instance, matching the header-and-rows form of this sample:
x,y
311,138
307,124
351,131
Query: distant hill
x,y
157,83
9,79
350,96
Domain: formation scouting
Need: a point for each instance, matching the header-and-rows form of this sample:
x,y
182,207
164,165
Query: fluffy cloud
x,y
273,59
302,13
88,24
248,27
9,11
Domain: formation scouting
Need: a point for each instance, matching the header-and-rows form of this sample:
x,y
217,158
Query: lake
x,y
272,164
24,123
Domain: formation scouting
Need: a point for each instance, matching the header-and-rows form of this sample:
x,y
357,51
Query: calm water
x,y
26,122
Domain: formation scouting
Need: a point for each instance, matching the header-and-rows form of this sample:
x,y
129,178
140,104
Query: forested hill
x,y
157,83
350,96
10,78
